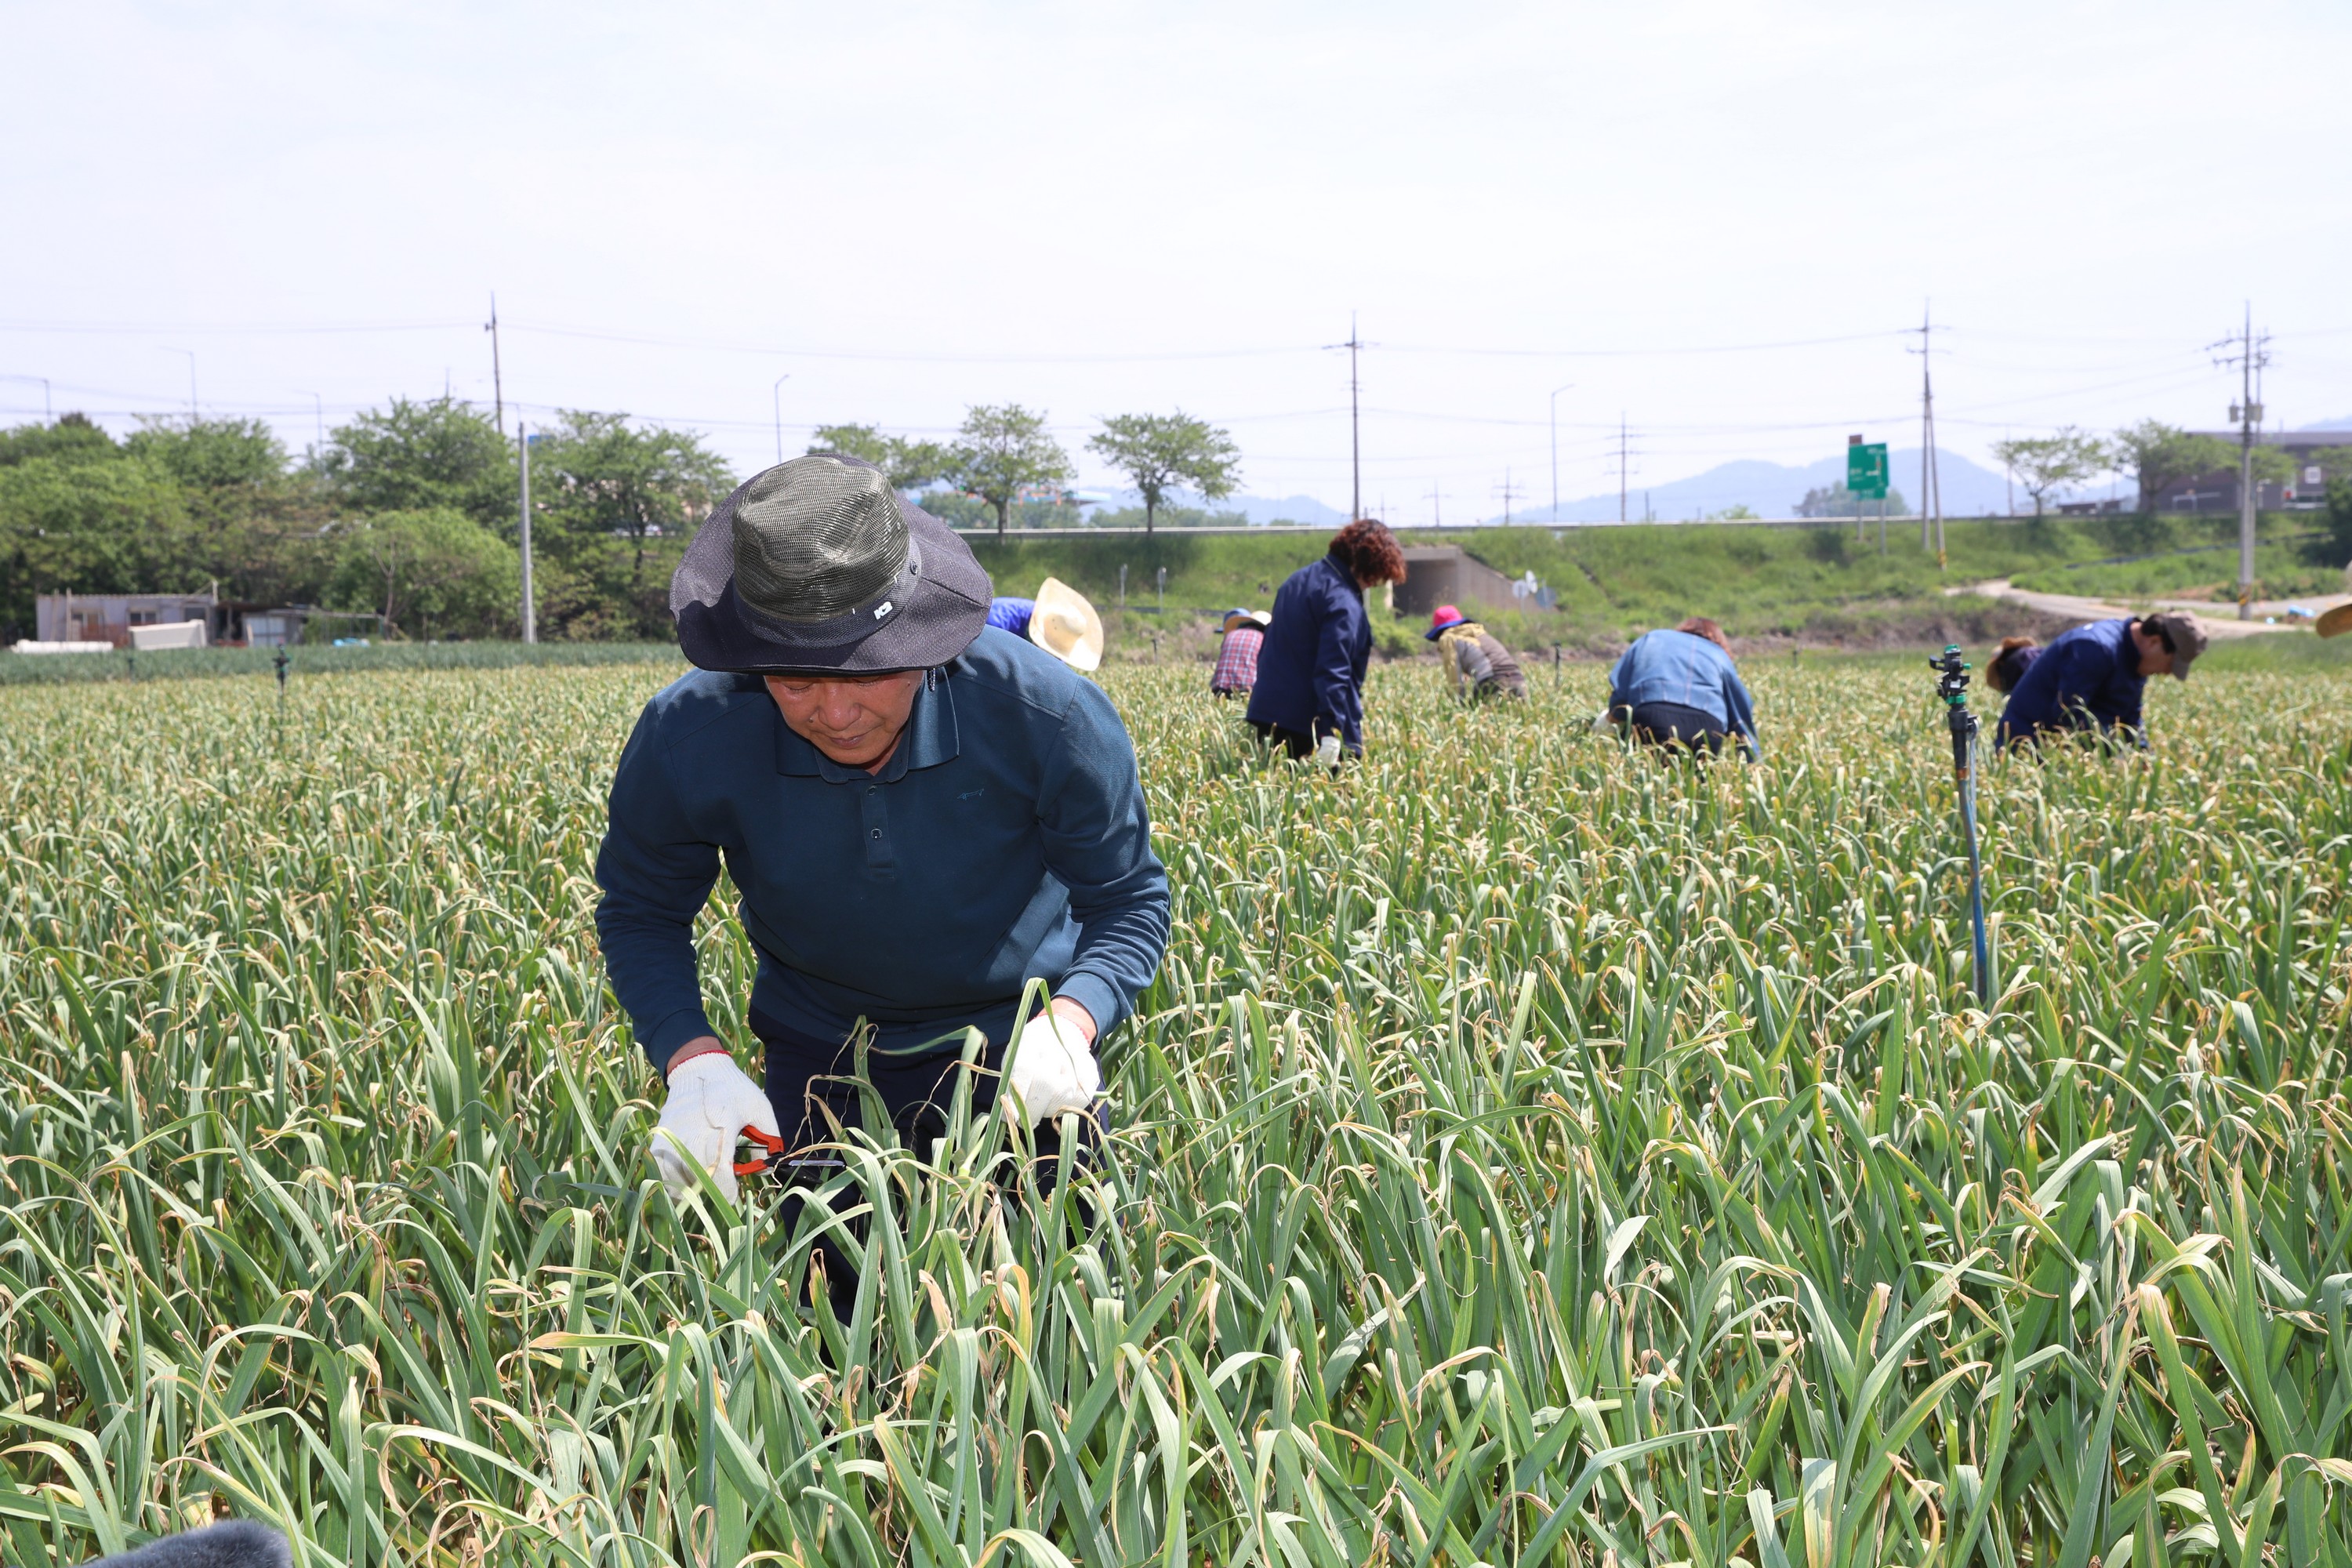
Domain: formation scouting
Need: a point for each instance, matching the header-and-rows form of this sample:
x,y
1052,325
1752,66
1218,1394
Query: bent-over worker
x,y
1060,619
921,813
1479,666
2010,663
2090,678
1309,696
1237,650
1679,689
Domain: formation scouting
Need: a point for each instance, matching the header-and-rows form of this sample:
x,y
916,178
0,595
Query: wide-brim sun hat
x,y
1261,619
1444,620
817,566
1065,626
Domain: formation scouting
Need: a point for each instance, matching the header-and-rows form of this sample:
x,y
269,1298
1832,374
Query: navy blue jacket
x,y
1005,839
1310,672
2088,676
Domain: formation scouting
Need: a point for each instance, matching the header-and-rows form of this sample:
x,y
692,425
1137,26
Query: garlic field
x,y
1530,1153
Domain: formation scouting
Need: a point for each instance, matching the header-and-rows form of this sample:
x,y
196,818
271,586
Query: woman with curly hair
x,y
1308,699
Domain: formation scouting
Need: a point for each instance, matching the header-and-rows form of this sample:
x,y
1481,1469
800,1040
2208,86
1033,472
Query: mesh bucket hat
x,y
818,566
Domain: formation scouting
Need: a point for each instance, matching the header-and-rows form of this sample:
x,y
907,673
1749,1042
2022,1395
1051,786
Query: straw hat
x,y
1065,626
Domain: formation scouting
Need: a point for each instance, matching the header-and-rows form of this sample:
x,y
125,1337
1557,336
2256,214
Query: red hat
x,y
1446,616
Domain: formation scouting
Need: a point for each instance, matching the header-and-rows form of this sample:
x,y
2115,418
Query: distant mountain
x,y
1773,489
2343,424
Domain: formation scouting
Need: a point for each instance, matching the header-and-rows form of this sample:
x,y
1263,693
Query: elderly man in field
x,y
2090,678
921,813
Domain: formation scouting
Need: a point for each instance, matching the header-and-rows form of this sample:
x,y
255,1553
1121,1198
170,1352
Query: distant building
x,y
2318,456
115,619
108,617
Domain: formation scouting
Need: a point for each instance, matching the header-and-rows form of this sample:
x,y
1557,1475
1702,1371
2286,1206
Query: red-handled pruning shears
x,y
774,1146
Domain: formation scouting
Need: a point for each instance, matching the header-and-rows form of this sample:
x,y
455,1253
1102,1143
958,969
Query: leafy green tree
x,y
910,464
211,454
1002,450
1836,500
416,456
2046,464
94,527
433,572
72,437
1162,451
597,479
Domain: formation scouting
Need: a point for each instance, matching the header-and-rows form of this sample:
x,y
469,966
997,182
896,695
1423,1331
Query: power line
x,y
1624,454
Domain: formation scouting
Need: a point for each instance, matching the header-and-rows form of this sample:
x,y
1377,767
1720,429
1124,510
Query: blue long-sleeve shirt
x,y
1005,839
1310,671
1686,669
2087,676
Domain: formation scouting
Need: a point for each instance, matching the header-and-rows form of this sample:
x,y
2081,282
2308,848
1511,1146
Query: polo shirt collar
x,y
931,738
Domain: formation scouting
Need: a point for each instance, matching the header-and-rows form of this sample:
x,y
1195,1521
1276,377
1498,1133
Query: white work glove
x,y
711,1100
1326,751
1053,1068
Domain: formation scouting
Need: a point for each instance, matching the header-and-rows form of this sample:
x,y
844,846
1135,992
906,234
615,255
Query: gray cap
x,y
2186,638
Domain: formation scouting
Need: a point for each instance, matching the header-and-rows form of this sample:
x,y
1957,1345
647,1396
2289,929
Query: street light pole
x,y
776,395
1555,449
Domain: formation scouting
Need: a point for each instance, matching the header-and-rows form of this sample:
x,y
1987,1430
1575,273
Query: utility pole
x,y
1555,449
1508,492
1621,456
1436,509
318,452
498,378
1355,425
2250,356
776,396
529,609
1931,480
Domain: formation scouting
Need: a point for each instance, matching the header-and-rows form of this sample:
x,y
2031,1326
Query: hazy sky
x,y
1100,208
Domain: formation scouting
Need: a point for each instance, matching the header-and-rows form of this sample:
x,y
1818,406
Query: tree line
x,y
411,512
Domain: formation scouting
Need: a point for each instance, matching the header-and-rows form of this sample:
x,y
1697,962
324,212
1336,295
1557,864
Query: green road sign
x,y
1865,470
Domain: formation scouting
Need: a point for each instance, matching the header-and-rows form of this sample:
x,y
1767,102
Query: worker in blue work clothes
x,y
2090,678
922,814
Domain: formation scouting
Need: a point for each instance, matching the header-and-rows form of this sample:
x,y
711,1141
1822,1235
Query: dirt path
x,y
2218,620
